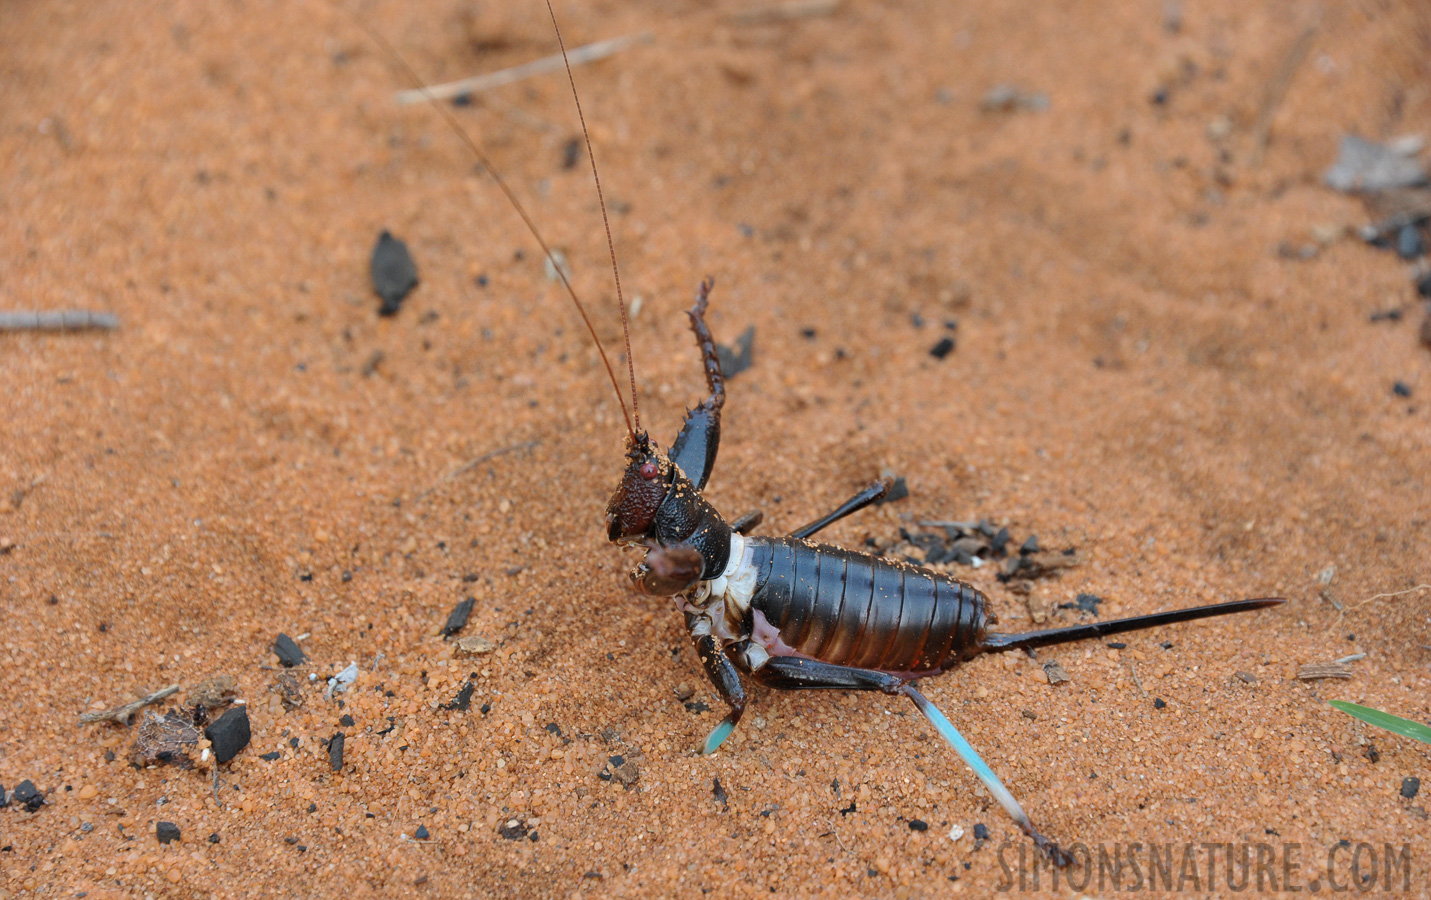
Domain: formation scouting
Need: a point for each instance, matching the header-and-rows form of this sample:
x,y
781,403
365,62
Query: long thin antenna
x,y
610,244
461,132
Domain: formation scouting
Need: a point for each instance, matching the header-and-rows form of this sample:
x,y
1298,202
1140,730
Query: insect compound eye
x,y
648,470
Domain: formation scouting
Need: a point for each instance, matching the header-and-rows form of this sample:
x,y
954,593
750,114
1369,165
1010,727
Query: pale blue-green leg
x,y
723,676
718,735
985,774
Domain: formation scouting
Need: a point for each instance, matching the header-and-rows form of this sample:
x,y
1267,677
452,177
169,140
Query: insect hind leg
x,y
794,673
985,774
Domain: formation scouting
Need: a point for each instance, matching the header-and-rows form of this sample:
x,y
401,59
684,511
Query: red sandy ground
x,y
1139,374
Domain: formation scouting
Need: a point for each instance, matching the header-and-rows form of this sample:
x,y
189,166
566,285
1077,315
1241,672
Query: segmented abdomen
x,y
852,609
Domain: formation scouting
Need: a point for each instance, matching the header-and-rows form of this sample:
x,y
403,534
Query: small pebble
x,y
1409,242
1055,673
421,834
684,691
166,832
981,832
473,645
1401,389
956,832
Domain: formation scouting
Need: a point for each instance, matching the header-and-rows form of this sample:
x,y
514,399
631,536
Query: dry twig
x,y
1276,89
57,320
785,11
554,63
120,714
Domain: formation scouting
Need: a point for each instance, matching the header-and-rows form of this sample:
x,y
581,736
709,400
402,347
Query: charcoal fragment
x,y
393,272
1410,787
28,796
335,751
718,793
229,733
421,833
1086,602
463,701
918,825
943,348
734,360
166,832
458,617
898,490
513,829
288,652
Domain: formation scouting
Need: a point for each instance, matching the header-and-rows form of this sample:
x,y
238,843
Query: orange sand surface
x,y
1140,374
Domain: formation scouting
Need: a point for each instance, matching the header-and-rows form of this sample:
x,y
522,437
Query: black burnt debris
x,y
457,619
288,652
393,272
979,542
1085,602
1393,185
734,360
463,701
28,796
335,751
229,733
166,832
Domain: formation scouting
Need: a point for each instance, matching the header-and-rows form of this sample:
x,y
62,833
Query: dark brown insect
x,y
788,612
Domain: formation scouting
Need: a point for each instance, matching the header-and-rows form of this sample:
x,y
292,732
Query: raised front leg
x,y
793,673
694,449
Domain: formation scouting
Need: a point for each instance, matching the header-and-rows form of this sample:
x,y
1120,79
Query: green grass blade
x,y
1404,727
